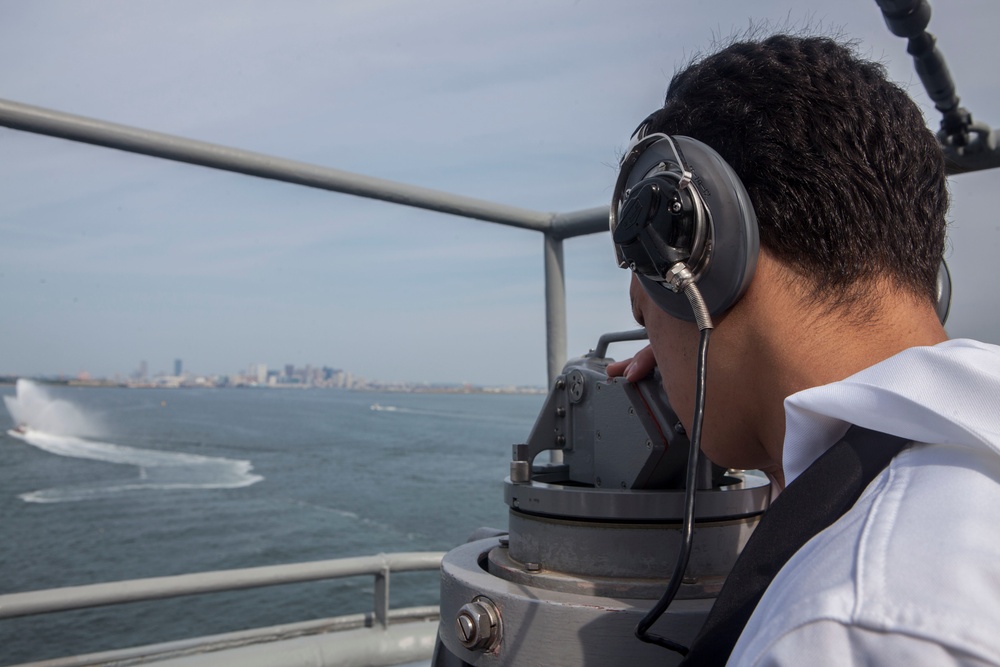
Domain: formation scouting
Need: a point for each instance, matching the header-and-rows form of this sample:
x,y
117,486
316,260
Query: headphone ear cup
x,y
733,239
943,292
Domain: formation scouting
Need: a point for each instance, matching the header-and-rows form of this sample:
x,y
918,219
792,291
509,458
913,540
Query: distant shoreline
x,y
371,387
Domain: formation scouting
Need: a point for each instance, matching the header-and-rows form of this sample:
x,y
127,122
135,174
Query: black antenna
x,y
968,145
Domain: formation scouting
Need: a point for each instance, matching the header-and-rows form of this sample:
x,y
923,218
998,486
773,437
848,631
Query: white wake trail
x,y
35,412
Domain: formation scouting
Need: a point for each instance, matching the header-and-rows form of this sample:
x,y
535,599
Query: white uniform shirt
x,y
911,574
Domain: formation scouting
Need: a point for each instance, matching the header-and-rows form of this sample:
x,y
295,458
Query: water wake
x,y
48,424
424,412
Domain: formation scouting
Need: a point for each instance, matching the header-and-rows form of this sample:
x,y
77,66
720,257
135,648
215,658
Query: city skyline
x,y
258,375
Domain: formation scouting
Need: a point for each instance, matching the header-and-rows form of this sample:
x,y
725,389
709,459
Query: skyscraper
x,y
178,367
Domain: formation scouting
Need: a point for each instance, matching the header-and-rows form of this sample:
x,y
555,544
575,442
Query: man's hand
x,y
636,368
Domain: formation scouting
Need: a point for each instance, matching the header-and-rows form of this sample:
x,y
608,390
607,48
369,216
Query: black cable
x,y
687,529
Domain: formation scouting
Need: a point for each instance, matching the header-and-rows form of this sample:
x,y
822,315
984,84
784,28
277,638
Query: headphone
x,y
680,215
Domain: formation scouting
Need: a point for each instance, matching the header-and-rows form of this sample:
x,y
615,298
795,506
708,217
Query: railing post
x,y
555,306
555,313
382,597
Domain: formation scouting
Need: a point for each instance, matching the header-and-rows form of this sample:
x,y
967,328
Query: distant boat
x,y
383,408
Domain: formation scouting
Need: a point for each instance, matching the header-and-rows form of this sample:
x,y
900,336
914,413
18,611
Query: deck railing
x,y
121,592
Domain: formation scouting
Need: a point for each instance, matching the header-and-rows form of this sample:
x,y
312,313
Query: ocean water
x,y
111,484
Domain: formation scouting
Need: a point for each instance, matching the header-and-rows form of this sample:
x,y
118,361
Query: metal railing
x,y
380,567
155,588
555,227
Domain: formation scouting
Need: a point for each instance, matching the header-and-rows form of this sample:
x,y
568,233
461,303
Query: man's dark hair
x,y
847,180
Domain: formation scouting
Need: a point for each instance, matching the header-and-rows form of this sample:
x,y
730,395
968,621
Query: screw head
x,y
478,625
467,632
576,385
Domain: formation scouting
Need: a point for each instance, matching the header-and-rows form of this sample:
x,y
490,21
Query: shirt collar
x,y
945,393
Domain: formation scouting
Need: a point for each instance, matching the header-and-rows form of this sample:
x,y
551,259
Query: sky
x,y
108,259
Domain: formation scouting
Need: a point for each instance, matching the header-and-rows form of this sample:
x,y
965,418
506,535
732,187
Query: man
x,y
838,328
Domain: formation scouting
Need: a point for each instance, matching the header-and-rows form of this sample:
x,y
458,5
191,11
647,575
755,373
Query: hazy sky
x,y
108,258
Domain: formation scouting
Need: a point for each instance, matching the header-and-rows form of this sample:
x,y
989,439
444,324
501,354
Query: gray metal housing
x,y
593,540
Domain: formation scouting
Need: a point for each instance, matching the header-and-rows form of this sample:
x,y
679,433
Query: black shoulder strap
x,y
816,499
